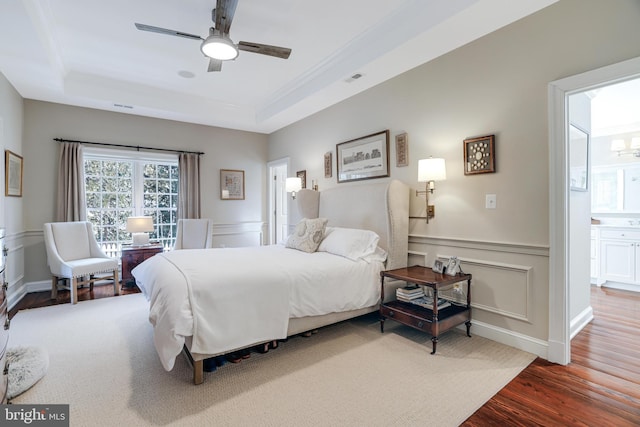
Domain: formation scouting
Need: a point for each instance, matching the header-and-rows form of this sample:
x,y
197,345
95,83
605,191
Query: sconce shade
x,y
618,145
139,224
431,170
293,184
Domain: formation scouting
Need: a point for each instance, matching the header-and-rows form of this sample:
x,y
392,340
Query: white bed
x,y
209,302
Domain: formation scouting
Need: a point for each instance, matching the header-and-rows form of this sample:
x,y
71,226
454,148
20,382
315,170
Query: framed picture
x,y
452,266
402,150
303,177
479,155
438,266
231,184
328,166
578,158
12,174
363,158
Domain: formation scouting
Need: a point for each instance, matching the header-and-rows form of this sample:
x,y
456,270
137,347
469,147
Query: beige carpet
x,y
103,363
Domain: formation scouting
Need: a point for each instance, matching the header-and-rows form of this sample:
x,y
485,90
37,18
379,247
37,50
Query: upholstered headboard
x,y
380,207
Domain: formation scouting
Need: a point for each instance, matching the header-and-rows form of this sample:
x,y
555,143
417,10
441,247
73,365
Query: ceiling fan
x,y
218,46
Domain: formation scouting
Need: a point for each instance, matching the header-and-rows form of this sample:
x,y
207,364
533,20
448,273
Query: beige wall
x,y
495,85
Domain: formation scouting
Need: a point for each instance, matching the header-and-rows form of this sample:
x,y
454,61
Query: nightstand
x,y
134,255
428,319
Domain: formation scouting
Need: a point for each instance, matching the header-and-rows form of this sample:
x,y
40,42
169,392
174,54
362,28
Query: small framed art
x,y
328,164
479,155
12,174
303,177
402,150
231,184
452,266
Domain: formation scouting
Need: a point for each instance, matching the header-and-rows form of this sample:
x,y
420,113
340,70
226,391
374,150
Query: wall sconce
x,y
292,185
430,170
139,227
620,146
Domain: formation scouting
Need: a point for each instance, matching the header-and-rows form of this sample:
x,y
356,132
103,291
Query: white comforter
x,y
234,297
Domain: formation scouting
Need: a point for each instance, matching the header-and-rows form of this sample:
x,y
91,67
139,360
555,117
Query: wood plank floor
x,y
600,387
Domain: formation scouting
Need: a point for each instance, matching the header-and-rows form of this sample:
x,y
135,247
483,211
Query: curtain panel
x,y
189,194
71,204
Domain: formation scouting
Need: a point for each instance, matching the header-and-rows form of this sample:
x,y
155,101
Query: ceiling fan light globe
x,y
219,47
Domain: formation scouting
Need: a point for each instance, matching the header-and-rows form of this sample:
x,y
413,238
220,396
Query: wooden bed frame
x,y
380,207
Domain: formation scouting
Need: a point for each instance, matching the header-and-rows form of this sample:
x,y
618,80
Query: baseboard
x,y
580,321
510,338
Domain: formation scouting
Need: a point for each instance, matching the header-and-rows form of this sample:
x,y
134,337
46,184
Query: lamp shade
x,y
618,145
635,143
293,184
431,170
139,224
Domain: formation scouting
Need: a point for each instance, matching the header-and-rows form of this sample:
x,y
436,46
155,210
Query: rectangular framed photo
x,y
231,184
438,266
452,266
479,155
12,174
363,158
328,164
402,150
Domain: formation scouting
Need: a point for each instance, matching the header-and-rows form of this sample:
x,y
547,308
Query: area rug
x,y
104,365
27,365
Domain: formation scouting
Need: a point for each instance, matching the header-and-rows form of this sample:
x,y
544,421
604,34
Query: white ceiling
x,y
88,53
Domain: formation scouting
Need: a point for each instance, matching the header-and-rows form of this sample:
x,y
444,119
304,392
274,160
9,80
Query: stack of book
x,y
409,293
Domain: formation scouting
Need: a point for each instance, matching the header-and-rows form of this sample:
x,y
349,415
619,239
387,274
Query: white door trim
x,y
558,91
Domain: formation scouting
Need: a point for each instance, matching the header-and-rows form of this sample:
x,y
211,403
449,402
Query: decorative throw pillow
x,y
307,235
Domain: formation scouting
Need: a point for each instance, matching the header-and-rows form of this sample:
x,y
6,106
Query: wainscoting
x,y
509,286
26,253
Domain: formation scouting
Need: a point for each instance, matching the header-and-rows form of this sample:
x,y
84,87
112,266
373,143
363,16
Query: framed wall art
x,y
303,177
231,184
12,174
328,165
479,155
363,158
402,150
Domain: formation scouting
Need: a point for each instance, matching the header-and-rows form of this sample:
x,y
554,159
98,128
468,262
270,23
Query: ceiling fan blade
x,y
265,49
214,65
223,15
144,27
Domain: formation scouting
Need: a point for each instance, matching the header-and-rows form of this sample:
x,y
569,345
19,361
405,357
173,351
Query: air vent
x,y
353,78
123,106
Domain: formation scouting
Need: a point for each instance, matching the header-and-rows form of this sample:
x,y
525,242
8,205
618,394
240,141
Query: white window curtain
x,y
189,194
71,200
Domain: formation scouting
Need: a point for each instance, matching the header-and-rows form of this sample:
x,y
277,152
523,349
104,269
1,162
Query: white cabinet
x,y
620,255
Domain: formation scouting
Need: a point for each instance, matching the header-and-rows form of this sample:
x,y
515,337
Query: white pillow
x,y
307,235
352,243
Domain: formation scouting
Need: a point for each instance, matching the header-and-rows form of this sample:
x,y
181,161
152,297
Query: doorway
x,y
278,207
560,273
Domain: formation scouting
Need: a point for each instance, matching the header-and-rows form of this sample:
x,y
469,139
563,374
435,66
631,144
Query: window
x,y
119,185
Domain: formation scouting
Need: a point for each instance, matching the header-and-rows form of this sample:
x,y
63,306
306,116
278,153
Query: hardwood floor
x,y
600,387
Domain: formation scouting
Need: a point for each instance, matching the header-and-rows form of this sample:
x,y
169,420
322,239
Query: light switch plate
x,y
490,201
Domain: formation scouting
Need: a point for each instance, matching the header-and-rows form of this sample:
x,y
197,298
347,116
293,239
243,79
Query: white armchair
x,y
73,253
193,234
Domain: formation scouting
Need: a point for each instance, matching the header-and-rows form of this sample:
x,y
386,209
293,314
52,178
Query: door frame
x,y
559,341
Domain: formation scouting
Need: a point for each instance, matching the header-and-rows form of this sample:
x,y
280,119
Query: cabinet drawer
x,y
620,234
406,318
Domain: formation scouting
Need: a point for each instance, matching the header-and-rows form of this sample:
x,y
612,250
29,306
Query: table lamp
x,y
139,227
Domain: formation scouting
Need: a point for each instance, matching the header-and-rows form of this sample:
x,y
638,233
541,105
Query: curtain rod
x,y
137,147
